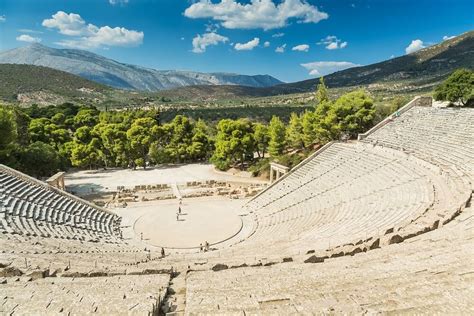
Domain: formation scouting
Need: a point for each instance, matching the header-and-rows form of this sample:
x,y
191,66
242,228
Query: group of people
x,y
205,247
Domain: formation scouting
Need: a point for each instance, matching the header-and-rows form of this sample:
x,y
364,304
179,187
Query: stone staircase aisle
x,y
175,300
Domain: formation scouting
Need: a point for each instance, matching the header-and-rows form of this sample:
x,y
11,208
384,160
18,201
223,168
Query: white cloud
x,y
27,38
280,49
264,14
30,31
114,2
322,68
446,37
301,48
200,42
266,44
414,46
249,45
89,35
332,42
3,18
68,24
278,35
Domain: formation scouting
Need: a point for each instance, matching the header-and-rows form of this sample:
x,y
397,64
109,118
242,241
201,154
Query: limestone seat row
x,y
35,209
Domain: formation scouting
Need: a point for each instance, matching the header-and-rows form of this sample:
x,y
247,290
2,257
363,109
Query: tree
x,y
140,138
324,122
353,113
200,143
234,143
40,160
261,139
181,132
307,124
322,92
294,132
85,155
276,132
457,88
22,121
8,132
86,149
86,117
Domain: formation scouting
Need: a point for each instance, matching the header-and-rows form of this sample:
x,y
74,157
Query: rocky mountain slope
x,y
124,76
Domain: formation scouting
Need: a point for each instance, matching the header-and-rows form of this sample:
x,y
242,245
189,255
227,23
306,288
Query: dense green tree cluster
x,y
43,140
457,88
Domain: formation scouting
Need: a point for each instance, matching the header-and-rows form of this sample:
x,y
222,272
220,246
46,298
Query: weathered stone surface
x,y
10,272
219,267
395,239
38,274
315,259
375,244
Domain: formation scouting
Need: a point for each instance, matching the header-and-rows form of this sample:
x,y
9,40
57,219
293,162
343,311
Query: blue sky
x,y
305,38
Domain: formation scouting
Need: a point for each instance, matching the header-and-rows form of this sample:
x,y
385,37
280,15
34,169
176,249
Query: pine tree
x,y
276,131
294,132
322,92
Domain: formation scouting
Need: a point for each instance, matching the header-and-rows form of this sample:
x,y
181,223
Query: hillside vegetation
x,y
39,84
413,73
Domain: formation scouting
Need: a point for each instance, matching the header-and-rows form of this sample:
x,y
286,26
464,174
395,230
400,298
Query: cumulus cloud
x,y
200,42
249,45
258,14
322,68
114,2
3,18
332,42
266,44
446,37
28,38
276,35
414,46
89,35
301,48
280,49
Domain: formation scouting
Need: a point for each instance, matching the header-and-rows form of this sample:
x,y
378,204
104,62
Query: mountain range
x,y
417,72
124,76
414,73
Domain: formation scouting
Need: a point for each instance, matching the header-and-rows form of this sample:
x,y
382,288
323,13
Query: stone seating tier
x,y
33,208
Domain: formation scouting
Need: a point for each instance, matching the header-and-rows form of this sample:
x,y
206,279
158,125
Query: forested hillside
x,y
17,81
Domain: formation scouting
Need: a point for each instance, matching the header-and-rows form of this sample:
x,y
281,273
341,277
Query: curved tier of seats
x,y
442,136
116,295
33,208
431,274
348,194
408,180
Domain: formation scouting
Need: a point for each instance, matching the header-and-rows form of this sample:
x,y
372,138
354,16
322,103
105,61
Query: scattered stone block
x,y
219,267
315,259
10,272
